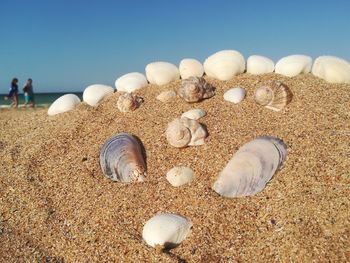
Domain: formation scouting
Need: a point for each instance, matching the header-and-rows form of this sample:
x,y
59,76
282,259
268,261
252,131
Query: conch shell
x,y
275,95
122,159
129,102
251,167
182,132
195,89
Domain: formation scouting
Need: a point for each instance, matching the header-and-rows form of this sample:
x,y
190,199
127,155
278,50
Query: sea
x,y
41,99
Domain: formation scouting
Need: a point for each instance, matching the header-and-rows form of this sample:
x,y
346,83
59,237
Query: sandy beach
x,y
57,206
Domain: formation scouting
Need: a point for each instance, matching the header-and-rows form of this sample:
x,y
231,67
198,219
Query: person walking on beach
x,y
28,93
13,94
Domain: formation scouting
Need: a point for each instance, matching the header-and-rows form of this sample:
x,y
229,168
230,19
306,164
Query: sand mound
x,y
56,205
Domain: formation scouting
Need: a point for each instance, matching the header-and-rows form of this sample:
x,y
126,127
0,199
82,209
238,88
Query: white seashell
x,y
224,65
235,95
93,94
194,114
131,82
167,230
179,175
64,103
190,67
166,96
332,69
161,73
259,65
251,167
293,65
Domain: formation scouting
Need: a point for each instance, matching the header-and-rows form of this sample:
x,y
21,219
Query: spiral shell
x,y
129,102
122,158
275,95
195,89
184,132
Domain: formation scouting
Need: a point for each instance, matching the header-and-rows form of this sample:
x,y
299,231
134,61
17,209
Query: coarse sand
x,y
56,205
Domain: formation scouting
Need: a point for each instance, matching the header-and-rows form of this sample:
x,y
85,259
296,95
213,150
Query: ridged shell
x,y
184,132
122,159
190,67
179,175
275,95
251,167
161,73
93,94
293,65
129,102
64,103
259,65
195,89
332,69
166,230
131,82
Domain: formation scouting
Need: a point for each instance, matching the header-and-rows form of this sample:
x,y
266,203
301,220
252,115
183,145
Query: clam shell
x,y
161,73
131,82
235,95
64,103
93,94
122,159
251,167
194,114
190,67
224,65
332,69
275,95
166,96
184,132
179,175
293,65
259,65
195,89
129,102
167,230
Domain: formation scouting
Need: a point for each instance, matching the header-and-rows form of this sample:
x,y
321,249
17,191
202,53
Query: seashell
x,y
179,175
332,69
190,67
251,167
275,95
64,103
122,159
129,102
224,65
259,65
235,95
93,94
194,114
161,73
166,96
293,65
184,132
195,89
131,82
166,230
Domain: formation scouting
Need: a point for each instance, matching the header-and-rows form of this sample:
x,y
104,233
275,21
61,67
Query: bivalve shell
x,y
161,73
332,69
259,65
93,94
131,82
194,114
190,67
293,65
64,103
235,95
179,175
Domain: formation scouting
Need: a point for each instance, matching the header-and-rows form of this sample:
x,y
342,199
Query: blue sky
x,y
66,45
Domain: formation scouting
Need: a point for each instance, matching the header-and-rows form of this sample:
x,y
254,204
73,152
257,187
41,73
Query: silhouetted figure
x,y
13,93
28,93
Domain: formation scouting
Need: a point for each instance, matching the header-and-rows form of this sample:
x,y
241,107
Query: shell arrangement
x,y
195,89
122,159
251,168
275,95
129,102
182,132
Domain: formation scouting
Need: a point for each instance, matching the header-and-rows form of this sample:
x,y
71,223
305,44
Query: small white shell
x,y
224,65
93,94
166,96
293,65
131,82
64,103
194,114
179,175
332,69
167,230
190,67
259,65
161,73
235,95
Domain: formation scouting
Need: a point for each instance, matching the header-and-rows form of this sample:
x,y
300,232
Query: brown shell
x,y
129,102
195,89
275,95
